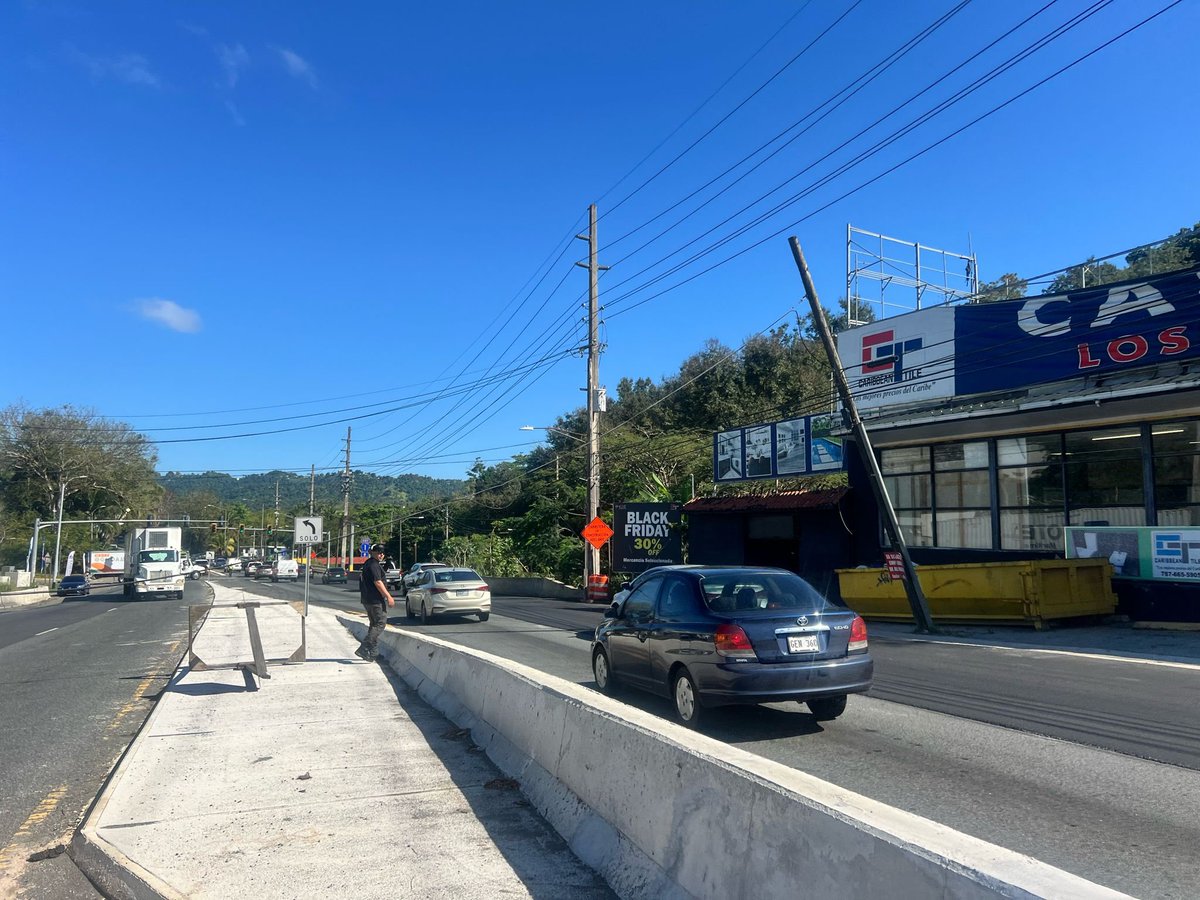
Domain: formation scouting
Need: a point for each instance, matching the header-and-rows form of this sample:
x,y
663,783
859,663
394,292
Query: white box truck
x,y
153,563
105,564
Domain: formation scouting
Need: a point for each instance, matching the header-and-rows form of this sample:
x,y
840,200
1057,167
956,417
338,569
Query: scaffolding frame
x,y
891,276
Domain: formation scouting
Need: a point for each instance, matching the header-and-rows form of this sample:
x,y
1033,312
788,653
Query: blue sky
x,y
242,218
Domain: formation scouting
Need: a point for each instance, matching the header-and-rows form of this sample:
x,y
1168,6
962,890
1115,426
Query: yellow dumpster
x,y
1028,591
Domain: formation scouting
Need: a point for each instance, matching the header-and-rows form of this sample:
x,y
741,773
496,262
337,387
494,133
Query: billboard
x,y
1146,552
948,351
805,445
1017,343
903,359
646,535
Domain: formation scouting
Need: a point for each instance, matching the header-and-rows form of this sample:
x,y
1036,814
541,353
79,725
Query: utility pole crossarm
x,y
912,586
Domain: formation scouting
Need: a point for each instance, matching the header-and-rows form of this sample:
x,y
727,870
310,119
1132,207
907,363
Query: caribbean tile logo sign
x,y
905,359
1177,555
805,445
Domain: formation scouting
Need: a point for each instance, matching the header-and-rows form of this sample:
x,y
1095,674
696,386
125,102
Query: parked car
x,y
414,572
74,586
707,636
442,590
392,575
333,575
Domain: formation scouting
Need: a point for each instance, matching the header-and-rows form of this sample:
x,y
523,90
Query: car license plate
x,y
802,643
461,593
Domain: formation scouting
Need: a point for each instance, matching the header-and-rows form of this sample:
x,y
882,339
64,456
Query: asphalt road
x,y
77,680
1041,754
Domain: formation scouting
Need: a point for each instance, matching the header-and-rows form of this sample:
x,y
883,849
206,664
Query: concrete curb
x,y
108,868
693,815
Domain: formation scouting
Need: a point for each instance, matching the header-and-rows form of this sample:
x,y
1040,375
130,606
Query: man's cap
x,y
378,548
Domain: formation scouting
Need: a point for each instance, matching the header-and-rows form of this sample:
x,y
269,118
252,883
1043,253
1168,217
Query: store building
x,y
1000,427
1044,427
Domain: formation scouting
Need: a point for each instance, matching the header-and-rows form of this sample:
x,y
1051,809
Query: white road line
x,y
47,631
1021,648
112,609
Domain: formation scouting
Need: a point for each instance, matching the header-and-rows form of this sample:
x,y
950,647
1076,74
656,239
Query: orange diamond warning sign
x,y
597,532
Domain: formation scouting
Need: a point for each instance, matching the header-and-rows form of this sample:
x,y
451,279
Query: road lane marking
x,y
1023,648
47,631
19,847
139,692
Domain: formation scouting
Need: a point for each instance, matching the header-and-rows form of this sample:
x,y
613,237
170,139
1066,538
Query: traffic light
x,y
241,529
212,527
270,531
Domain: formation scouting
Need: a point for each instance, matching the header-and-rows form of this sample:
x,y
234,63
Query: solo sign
x,y
647,534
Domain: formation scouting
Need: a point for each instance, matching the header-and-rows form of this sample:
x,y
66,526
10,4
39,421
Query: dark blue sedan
x,y
708,636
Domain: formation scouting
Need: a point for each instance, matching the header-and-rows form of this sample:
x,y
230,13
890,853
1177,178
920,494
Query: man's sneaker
x,y
364,653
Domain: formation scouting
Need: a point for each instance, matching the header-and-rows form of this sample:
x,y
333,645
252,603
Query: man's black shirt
x,y
367,591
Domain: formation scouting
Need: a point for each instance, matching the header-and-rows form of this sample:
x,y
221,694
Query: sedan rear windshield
x,y
336,570
456,575
766,592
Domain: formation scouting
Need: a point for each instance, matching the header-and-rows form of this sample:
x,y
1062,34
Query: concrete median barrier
x,y
661,811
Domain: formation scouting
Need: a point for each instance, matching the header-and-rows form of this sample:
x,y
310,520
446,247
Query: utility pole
x,y
276,526
346,496
591,555
447,521
916,597
312,488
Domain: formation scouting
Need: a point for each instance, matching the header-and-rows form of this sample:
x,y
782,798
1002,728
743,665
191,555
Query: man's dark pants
x,y
377,615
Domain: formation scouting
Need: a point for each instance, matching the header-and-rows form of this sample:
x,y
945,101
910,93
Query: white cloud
x,y
233,111
297,65
130,68
233,60
169,313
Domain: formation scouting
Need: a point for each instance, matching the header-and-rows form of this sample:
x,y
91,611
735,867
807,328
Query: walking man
x,y
373,592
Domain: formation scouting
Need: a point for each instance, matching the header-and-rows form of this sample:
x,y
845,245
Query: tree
x,y
1009,286
93,463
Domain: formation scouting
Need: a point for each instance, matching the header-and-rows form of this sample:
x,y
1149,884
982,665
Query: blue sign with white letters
x,y
1096,331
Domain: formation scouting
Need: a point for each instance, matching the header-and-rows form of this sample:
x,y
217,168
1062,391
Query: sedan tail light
x,y
732,643
438,590
858,636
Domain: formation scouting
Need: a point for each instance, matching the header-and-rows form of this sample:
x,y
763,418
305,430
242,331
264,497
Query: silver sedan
x,y
448,591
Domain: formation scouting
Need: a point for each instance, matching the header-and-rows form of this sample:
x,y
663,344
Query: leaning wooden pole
x,y
916,598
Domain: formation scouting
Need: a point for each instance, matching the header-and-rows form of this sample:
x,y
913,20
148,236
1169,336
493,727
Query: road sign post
x,y
306,531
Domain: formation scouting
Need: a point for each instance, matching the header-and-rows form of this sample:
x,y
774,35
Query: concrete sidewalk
x,y
329,779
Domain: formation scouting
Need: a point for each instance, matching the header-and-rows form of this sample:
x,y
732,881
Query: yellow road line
x,y
139,692
40,813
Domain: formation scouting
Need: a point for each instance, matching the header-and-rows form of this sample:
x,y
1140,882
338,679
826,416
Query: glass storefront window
x,y
955,490
917,527
1178,517
964,528
904,459
1031,486
1031,529
1171,438
909,491
1177,479
1109,515
1024,451
973,455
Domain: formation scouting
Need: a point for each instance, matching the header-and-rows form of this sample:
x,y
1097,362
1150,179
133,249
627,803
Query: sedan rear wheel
x,y
483,617
687,700
408,613
827,709
426,618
